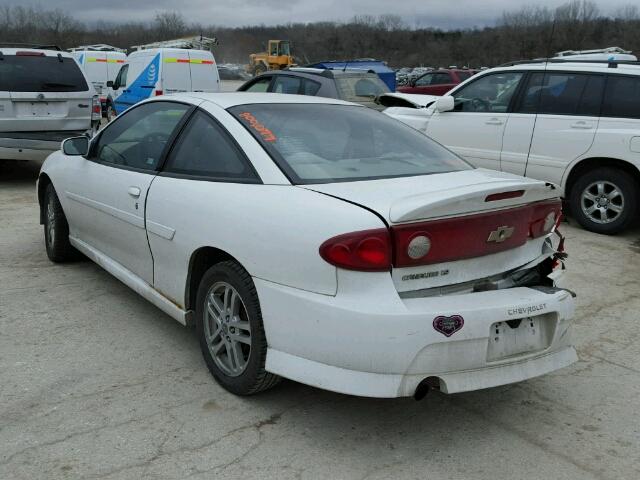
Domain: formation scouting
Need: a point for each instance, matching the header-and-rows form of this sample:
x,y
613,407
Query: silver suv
x,y
44,98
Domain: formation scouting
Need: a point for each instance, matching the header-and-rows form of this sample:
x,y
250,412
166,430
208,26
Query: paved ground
x,y
97,383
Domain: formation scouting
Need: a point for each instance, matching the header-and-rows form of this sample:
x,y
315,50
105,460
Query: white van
x,y
101,67
163,71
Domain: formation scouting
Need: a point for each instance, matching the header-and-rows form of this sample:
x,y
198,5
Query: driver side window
x,y
424,80
137,138
491,93
121,78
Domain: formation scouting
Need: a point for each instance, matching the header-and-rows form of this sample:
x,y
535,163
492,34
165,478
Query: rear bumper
x,y
369,342
33,144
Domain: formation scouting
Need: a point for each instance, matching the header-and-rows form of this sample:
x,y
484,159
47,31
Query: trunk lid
x,y
475,232
408,199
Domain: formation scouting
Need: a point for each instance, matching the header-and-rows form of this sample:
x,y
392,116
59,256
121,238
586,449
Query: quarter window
x,y
138,137
205,149
622,97
490,93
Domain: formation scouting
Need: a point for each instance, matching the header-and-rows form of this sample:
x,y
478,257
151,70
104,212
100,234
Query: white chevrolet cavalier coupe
x,y
317,240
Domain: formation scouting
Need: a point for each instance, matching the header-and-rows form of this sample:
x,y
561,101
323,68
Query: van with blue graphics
x,y
100,67
163,71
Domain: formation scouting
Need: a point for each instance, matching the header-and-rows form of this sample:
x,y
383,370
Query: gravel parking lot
x,y
95,382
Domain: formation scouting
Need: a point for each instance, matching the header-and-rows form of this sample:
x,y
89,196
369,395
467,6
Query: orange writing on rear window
x,y
266,134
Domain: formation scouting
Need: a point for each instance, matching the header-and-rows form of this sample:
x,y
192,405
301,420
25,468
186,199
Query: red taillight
x,y
97,108
472,236
367,250
544,218
158,93
440,241
29,54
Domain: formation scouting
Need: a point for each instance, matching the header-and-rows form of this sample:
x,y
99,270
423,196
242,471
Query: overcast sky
x,y
416,13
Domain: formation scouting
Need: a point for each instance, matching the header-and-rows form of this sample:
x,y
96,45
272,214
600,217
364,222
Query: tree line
x,y
529,32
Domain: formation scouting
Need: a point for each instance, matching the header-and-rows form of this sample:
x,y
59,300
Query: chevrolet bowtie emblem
x,y
500,234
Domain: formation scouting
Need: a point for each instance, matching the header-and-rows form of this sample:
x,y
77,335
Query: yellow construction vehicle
x,y
277,57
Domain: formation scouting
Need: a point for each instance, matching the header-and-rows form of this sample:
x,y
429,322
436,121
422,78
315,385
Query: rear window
x,y
40,74
358,88
319,143
464,75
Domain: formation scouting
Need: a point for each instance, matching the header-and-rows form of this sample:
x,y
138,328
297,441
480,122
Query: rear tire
x,y
56,229
604,200
230,330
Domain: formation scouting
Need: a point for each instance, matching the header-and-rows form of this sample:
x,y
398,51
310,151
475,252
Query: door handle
x,y
581,124
494,121
134,192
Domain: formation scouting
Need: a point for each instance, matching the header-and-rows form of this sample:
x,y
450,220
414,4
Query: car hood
x,y
406,100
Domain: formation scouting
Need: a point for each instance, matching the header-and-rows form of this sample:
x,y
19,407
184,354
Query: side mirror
x,y
445,104
75,146
110,83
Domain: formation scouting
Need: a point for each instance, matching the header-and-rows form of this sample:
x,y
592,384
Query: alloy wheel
x,y
227,329
602,202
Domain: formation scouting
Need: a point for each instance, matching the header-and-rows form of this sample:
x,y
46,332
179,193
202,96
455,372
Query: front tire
x,y
56,229
230,330
604,200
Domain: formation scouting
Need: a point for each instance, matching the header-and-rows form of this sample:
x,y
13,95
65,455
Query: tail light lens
x,y
367,250
544,218
158,93
96,108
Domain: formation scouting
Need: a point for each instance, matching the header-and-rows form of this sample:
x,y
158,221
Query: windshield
x,y
40,74
319,143
360,87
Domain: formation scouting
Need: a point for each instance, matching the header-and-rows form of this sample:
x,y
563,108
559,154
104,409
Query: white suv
x,y
574,123
44,98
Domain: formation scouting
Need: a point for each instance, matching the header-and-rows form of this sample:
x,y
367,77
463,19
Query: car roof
x,y
48,53
232,99
315,72
577,66
153,51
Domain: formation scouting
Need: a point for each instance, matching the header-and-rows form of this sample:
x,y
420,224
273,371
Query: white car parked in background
x,y
575,123
317,240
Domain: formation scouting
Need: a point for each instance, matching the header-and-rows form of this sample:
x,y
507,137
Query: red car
x,y
437,82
